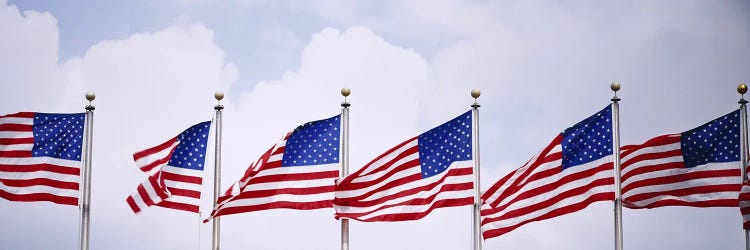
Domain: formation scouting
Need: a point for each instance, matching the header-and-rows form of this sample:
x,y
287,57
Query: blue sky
x,y
542,66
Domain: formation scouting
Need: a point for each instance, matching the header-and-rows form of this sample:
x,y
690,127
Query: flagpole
x,y
742,89
615,86
477,237
217,169
86,173
345,159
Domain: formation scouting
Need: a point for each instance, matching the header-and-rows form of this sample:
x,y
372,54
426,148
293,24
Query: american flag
x,y
175,172
407,182
572,172
40,157
298,172
697,168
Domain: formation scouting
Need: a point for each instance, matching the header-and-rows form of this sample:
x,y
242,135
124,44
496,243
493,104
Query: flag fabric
x,y
40,157
744,201
298,172
572,172
697,168
175,172
407,182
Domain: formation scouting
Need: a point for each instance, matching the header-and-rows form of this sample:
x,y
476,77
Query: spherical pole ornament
x,y
475,93
742,88
90,96
219,95
345,91
615,86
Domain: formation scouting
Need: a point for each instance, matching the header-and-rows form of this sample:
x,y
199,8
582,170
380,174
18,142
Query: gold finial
x,y
742,88
475,93
615,86
345,92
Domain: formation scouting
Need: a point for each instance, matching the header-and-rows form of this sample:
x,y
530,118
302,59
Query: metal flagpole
x,y
477,238
86,173
742,89
615,86
217,169
345,159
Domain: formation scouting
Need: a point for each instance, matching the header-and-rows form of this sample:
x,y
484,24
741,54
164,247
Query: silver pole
x,y
477,219
217,170
742,89
86,173
615,86
345,159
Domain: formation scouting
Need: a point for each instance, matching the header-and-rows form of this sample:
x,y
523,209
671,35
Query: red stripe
x,y
702,203
154,150
181,178
184,192
682,192
681,177
520,183
358,201
11,127
144,195
249,194
552,214
553,186
179,206
73,201
658,141
132,204
40,167
273,205
40,182
652,168
158,189
16,154
416,202
361,185
16,141
19,115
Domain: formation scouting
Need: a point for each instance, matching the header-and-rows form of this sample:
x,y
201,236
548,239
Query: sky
x,y
541,66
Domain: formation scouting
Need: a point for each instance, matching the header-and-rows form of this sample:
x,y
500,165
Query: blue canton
x,y
313,143
715,141
588,140
191,152
443,145
58,135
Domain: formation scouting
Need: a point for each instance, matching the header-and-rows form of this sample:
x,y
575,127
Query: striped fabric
x,y
40,157
697,168
175,172
430,171
572,172
298,172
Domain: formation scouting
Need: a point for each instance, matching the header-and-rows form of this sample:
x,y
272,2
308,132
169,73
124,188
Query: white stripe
x,y
182,171
39,190
11,134
688,198
681,171
277,198
291,184
394,177
184,200
628,179
40,160
682,185
39,174
539,212
182,185
17,120
650,150
420,208
151,192
17,147
160,155
299,170
139,201
424,182
275,157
